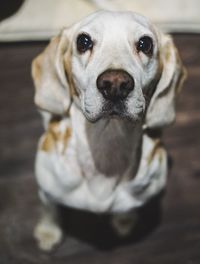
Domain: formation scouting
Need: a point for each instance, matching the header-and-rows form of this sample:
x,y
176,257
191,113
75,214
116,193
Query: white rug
x,y
41,19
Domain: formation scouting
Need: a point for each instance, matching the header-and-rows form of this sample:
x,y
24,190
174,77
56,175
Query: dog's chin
x,y
123,116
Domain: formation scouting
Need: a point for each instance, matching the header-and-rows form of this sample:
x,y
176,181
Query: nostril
x,y
106,84
124,85
105,87
105,93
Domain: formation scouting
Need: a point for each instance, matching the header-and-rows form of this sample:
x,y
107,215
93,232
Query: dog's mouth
x,y
115,110
116,107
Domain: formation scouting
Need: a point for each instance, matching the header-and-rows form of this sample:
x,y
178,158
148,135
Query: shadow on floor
x,y
97,231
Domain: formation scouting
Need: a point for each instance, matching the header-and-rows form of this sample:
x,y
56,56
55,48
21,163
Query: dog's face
x,y
114,64
115,59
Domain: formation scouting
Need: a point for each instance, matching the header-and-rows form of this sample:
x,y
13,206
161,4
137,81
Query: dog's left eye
x,y
145,44
84,42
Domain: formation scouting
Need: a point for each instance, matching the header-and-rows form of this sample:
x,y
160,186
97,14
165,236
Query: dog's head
x,y
111,64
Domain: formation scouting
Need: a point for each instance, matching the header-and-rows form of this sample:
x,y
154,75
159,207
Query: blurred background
x,y
170,233
40,20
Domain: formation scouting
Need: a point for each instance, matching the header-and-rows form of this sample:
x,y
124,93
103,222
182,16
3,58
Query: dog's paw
x,y
124,224
48,234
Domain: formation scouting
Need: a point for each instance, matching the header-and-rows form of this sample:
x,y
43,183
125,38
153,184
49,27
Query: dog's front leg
x,y
48,232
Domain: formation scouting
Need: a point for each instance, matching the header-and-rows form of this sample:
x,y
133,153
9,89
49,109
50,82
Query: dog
x,y
106,87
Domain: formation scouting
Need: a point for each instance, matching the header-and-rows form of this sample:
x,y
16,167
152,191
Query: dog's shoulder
x,y
57,135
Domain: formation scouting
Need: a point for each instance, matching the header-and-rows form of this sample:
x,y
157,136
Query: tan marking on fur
x,y
48,142
182,77
36,70
66,137
183,72
155,150
54,130
168,52
39,60
160,153
53,136
67,66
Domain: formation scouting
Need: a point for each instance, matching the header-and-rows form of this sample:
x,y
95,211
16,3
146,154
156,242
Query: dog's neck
x,y
114,144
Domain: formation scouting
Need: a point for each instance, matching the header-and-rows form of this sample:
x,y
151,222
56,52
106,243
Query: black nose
x,y
115,84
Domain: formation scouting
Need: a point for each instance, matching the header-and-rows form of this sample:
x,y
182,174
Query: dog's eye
x,y
84,43
145,44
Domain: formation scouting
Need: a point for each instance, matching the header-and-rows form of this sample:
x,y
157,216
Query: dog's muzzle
x,y
115,85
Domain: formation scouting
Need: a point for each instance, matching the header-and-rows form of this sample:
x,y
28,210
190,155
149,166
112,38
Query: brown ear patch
x,y
55,138
168,52
52,89
36,70
182,77
48,142
68,73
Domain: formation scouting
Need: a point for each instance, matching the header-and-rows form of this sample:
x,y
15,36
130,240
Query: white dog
x,y
103,86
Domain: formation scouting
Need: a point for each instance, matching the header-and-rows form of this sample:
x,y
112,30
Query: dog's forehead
x,y
102,21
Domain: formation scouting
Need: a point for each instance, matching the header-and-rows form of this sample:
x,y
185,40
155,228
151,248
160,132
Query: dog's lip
x,y
116,112
114,108
113,113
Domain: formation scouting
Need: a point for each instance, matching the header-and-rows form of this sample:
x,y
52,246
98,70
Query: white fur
x,y
109,164
74,180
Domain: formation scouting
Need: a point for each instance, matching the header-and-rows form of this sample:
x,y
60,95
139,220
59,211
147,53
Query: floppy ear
x,y
51,75
161,110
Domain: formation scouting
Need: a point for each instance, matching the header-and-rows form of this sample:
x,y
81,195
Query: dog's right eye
x,y
145,44
84,43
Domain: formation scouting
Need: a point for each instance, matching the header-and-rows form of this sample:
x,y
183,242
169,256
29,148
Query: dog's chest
x,y
89,159
107,148
98,172
107,155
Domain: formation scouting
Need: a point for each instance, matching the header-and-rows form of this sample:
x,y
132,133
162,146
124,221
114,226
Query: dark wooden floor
x,y
176,239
